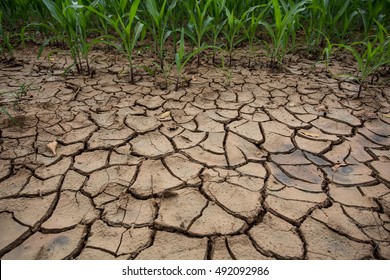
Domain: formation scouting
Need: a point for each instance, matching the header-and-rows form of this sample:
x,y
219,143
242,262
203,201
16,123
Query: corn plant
x,y
216,12
250,27
231,32
6,48
371,11
182,58
370,55
158,24
72,21
281,31
125,25
199,23
16,13
313,23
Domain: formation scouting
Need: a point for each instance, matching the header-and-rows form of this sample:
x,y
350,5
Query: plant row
x,y
358,26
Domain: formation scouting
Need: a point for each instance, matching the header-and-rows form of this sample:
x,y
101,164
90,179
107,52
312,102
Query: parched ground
x,y
240,165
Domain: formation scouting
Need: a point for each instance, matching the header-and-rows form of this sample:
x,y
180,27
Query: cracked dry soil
x,y
263,166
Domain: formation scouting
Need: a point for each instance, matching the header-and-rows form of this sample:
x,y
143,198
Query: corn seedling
x,y
370,55
199,23
181,58
158,25
251,26
6,48
371,12
126,26
231,32
281,31
72,21
216,12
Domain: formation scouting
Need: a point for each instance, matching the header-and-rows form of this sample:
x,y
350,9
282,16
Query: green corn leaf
x,y
133,11
55,11
137,32
277,14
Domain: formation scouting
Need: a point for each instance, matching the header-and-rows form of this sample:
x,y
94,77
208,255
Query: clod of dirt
x,y
52,146
165,116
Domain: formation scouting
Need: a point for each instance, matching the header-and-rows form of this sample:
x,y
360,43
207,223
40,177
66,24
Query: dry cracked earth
x,y
252,165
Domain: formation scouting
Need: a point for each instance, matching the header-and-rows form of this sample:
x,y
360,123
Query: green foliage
x,y
283,28
370,55
182,58
253,16
199,22
6,48
231,32
216,12
126,26
17,96
72,22
350,25
159,15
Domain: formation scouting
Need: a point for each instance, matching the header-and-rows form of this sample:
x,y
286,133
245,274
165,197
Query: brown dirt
x,y
243,164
